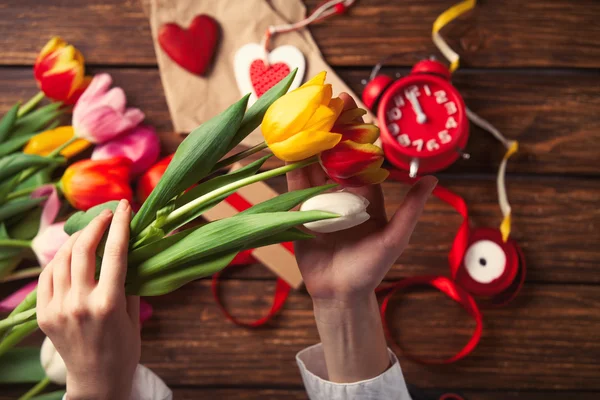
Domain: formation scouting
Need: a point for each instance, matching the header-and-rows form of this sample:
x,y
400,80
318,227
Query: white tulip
x,y
53,363
351,207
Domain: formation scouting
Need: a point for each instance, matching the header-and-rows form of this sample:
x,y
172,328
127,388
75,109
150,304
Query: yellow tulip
x,y
42,144
298,124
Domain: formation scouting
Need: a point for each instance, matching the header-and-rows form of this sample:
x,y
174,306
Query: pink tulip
x,y
15,298
141,145
100,114
47,242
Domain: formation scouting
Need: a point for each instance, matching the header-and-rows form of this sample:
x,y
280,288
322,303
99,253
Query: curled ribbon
x,y
444,19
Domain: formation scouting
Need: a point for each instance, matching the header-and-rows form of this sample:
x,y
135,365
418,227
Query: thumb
x,y
398,231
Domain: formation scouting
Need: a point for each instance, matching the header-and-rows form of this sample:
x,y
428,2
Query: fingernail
x,y
123,206
105,213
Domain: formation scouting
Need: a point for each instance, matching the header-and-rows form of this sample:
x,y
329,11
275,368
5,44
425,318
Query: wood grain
x,y
512,33
529,345
554,117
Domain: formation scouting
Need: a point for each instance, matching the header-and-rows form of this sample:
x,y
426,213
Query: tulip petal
x,y
337,105
53,44
290,113
359,133
45,142
369,177
322,120
12,300
47,243
327,94
104,123
317,80
145,311
59,86
305,144
51,206
141,145
349,158
350,116
115,98
98,86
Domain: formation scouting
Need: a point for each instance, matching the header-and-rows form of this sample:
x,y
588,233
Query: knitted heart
x,y
257,70
264,77
191,48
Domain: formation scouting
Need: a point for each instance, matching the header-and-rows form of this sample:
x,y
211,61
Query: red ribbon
x,y
282,289
449,288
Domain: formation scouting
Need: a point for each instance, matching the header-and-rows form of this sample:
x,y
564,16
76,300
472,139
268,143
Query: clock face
x,y
424,115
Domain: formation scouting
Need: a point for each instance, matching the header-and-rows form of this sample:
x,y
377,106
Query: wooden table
x,y
529,67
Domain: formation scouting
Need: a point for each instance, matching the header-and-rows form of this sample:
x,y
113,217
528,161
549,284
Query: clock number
x,y
451,123
418,144
451,108
432,145
427,90
441,97
412,90
444,137
404,140
394,114
399,101
394,129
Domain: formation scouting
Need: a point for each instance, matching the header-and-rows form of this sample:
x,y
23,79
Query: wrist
x,y
346,309
78,389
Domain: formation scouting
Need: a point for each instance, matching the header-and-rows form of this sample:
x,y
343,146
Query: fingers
x,y
397,233
83,260
133,309
61,268
114,262
348,101
297,179
44,289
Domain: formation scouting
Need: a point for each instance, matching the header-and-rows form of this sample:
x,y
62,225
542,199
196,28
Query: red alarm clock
x,y
422,118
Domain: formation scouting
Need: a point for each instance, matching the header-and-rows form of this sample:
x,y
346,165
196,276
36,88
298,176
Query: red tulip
x,y
355,160
88,183
149,180
59,71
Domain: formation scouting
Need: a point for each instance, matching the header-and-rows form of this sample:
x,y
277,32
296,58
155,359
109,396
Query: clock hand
x,y
416,106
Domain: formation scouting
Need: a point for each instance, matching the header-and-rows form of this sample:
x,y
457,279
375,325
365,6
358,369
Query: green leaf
x,y
57,395
174,279
193,160
256,112
18,206
9,257
224,235
14,163
38,179
288,200
37,120
144,252
8,121
27,226
7,187
15,144
21,365
80,219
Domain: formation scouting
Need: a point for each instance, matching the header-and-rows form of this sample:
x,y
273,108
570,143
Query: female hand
x,y
93,324
342,269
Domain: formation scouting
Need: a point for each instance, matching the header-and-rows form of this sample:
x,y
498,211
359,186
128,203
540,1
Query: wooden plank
x,y
513,33
250,393
553,116
529,345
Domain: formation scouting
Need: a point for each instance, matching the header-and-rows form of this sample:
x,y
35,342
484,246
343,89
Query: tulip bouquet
x,y
303,127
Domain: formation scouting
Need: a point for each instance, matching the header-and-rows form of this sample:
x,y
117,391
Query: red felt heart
x,y
191,48
264,77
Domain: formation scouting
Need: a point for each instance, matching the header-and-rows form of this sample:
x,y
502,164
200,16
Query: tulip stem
x,y
15,243
20,193
179,216
17,319
239,156
17,334
60,148
23,274
41,385
30,105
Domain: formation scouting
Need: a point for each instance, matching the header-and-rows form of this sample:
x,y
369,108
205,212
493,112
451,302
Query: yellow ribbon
x,y
501,187
444,19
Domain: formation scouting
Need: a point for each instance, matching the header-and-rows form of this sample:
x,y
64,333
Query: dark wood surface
x,y
530,68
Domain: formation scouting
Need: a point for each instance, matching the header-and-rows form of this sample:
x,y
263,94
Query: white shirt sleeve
x,y
147,386
389,385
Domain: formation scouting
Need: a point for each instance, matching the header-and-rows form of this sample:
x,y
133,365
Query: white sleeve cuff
x,y
389,385
147,385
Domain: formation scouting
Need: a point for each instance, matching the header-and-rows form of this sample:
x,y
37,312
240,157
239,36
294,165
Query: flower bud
x,y
53,363
351,208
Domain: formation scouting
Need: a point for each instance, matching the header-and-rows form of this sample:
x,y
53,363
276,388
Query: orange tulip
x,y
44,143
355,161
88,183
60,72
